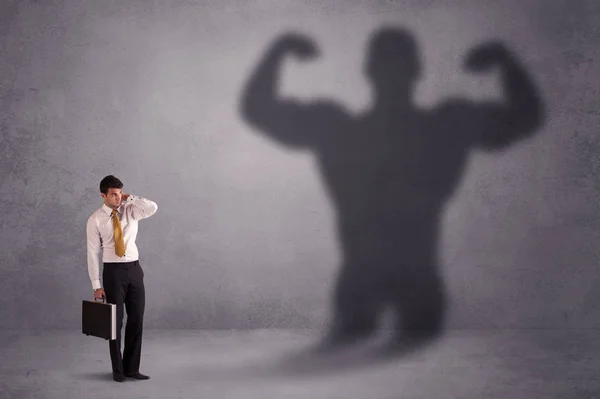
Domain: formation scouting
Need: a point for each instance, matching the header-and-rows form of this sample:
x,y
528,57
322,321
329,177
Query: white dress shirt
x,y
100,234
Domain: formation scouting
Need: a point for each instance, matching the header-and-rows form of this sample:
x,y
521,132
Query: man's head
x,y
393,60
110,189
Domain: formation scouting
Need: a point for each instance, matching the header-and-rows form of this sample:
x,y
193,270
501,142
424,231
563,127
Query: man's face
x,y
112,198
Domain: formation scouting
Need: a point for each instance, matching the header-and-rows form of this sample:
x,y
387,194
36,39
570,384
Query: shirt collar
x,y
108,210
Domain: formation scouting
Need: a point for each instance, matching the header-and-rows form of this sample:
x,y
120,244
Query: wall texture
x,y
246,233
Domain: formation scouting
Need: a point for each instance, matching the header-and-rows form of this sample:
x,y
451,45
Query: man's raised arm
x,y
141,208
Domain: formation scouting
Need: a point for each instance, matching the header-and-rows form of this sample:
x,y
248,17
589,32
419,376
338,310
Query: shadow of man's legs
x,y
356,304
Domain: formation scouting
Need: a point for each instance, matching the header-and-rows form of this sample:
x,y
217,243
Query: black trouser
x,y
124,284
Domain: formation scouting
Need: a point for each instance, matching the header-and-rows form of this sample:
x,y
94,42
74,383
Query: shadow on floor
x,y
95,376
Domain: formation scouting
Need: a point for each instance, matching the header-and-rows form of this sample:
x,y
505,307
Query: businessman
x,y
111,234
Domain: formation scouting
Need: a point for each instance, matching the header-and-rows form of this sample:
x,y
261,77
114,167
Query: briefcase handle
x,y
103,299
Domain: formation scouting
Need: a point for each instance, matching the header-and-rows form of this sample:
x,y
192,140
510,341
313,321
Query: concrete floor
x,y
275,364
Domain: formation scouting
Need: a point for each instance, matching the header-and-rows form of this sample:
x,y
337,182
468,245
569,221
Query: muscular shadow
x,y
390,171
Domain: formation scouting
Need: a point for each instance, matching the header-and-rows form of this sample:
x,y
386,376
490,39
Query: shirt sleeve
x,y
94,246
141,208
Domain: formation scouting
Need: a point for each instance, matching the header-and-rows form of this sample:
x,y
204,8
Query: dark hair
x,y
110,182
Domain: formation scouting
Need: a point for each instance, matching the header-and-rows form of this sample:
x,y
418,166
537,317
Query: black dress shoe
x,y
137,376
119,377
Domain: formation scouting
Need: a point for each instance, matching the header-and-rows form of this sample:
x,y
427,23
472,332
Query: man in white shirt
x,y
111,233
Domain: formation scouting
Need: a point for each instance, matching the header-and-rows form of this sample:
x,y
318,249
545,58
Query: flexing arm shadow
x,y
286,121
493,126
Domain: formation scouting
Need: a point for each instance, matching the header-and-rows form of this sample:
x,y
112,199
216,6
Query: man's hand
x,y
99,293
124,197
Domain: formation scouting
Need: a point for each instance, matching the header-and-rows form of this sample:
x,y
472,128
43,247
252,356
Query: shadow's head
x,y
392,60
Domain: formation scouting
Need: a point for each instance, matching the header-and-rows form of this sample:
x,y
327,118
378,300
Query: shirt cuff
x,y
96,284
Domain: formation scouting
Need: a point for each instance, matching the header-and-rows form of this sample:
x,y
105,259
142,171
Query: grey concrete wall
x,y
246,233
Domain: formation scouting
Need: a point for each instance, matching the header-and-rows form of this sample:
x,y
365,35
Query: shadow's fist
x,y
299,45
486,56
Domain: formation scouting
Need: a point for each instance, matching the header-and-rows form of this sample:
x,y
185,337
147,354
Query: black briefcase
x,y
99,319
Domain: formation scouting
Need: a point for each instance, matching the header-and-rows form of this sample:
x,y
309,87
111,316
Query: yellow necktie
x,y
119,242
